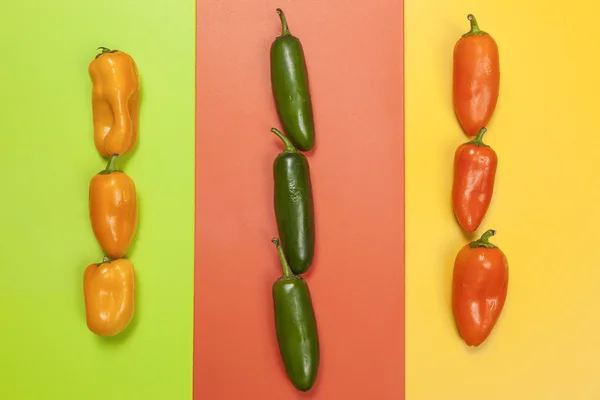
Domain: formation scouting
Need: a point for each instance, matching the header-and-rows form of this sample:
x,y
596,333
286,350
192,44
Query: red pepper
x,y
476,78
479,288
475,166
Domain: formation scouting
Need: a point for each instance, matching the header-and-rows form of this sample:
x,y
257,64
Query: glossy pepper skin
x,y
479,288
113,209
296,326
475,165
476,80
290,86
115,102
109,295
294,207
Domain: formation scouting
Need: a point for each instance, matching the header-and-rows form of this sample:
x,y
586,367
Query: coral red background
x,y
355,61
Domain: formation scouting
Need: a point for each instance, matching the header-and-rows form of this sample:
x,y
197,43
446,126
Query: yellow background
x,y
545,208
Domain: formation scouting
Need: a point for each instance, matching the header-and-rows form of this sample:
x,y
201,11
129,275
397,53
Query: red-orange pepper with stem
x,y
476,80
475,165
479,288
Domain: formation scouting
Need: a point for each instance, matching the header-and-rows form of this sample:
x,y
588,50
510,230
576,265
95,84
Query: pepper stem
x,y
484,240
104,51
110,166
474,27
105,259
478,141
288,146
287,271
285,30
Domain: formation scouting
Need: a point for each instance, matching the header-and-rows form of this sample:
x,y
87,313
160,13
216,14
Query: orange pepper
x,y
115,101
109,294
113,209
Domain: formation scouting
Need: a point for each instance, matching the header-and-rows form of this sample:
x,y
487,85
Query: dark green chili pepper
x,y
296,326
294,209
289,81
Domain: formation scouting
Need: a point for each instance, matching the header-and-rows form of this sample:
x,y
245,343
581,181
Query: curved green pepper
x,y
289,82
294,209
296,326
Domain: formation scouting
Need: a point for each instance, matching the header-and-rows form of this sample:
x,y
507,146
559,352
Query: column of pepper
x,y
480,276
109,286
295,321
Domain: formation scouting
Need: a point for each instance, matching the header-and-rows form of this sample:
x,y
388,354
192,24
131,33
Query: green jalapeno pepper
x,y
289,82
296,326
294,209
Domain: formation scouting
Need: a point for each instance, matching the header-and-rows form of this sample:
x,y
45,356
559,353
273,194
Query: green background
x,y
48,158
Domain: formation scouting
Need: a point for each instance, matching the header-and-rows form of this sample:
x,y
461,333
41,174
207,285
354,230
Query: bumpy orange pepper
x,y
109,294
113,209
115,101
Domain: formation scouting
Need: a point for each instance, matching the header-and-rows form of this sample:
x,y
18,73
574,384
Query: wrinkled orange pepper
x,y
113,209
115,101
109,295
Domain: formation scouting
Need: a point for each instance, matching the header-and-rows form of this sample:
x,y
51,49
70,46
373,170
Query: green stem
x,y
484,240
105,259
285,30
104,51
287,271
478,141
111,165
288,146
474,27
